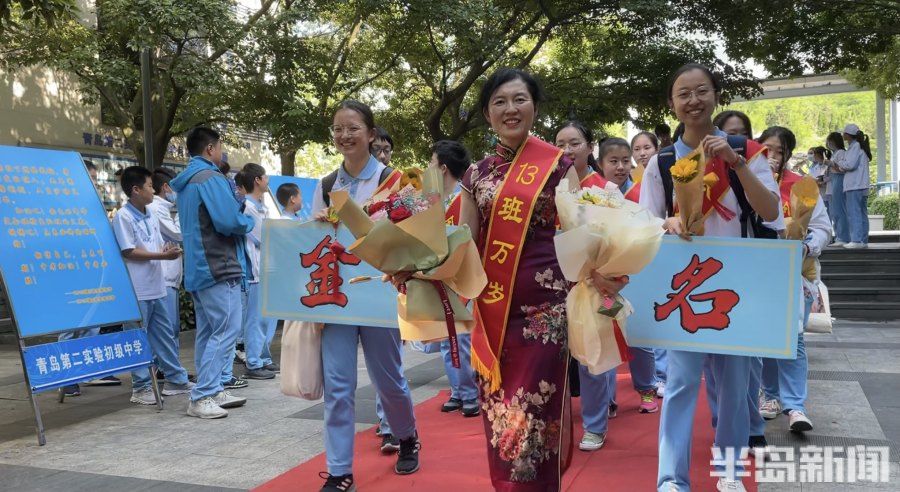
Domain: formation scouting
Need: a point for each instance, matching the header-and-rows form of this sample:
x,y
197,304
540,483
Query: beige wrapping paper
x,y
421,244
804,195
615,241
689,195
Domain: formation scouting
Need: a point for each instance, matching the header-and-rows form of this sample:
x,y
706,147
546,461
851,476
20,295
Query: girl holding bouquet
x,y
693,95
785,380
598,392
519,347
353,131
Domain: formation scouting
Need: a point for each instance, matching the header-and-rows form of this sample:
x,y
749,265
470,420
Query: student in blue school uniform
x,y
163,207
216,266
258,331
137,232
353,131
855,166
693,95
452,159
290,199
784,381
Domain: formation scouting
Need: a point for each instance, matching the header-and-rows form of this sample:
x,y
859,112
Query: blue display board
x,y
60,264
58,364
719,295
299,281
307,189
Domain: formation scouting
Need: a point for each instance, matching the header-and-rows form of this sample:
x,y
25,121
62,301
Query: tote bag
x,y
301,360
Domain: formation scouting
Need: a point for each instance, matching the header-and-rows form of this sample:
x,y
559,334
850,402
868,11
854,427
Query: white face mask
x,y
171,196
811,157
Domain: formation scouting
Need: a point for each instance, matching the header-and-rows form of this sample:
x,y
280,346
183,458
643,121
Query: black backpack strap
x,y
327,185
665,160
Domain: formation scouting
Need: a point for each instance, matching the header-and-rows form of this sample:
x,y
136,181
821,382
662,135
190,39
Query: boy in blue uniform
x,y
213,229
137,232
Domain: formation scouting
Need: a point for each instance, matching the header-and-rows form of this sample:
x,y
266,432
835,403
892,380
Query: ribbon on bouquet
x,y
448,316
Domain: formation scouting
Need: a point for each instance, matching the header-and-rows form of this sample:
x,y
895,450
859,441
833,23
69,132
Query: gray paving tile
x,y
22,478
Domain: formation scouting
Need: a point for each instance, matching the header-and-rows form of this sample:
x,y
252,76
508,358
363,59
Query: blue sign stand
x,y
62,271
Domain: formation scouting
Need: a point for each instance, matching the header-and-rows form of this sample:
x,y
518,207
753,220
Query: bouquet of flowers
x,y
606,233
804,196
404,230
690,184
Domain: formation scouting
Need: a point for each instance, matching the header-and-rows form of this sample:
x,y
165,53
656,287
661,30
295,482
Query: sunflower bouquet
x,y
804,196
690,184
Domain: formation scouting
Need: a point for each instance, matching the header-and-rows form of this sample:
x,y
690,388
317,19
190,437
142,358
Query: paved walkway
x,y
99,441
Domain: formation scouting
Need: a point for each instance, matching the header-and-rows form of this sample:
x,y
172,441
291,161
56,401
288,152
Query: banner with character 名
x,y
306,273
719,295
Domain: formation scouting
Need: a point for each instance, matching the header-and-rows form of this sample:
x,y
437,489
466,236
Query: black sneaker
x,y
342,483
452,405
378,428
470,408
408,457
389,444
160,376
272,367
260,373
192,378
758,443
71,390
235,383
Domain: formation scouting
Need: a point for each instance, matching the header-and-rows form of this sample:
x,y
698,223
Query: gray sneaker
x,y
591,441
206,408
171,389
225,399
261,373
143,397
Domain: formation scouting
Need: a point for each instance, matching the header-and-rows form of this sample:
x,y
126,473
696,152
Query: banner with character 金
x,y
719,295
306,275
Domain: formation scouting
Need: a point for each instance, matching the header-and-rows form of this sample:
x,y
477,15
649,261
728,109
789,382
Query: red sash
x,y
717,192
788,180
453,210
594,179
388,183
509,221
634,193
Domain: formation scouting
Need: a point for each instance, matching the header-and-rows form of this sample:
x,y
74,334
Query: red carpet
x,y
453,454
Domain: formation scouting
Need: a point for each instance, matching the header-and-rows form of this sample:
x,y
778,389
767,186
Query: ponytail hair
x,y
863,140
588,136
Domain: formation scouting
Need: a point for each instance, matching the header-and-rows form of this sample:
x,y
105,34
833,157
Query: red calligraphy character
x,y
325,281
723,300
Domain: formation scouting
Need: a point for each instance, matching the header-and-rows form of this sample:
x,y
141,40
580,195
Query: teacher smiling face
x,y
509,102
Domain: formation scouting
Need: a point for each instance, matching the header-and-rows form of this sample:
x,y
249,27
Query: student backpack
x,y
666,159
329,180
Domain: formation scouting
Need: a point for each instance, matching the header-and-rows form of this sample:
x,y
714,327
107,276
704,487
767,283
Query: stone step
x,y
872,280
865,310
854,265
863,294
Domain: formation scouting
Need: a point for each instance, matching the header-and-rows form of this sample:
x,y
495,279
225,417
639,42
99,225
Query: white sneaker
x,y
591,441
660,389
770,409
206,408
837,244
799,421
177,389
225,399
855,245
730,485
143,397
240,355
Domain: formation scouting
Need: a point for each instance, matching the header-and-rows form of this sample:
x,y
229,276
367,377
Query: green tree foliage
x,y
40,13
192,41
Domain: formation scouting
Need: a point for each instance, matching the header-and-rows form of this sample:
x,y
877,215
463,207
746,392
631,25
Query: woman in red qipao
x,y
519,346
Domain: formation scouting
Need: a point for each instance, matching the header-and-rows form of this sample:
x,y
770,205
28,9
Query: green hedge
x,y
186,310
889,206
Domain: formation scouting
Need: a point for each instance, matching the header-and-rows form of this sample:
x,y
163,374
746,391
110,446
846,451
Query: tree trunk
x,y
288,162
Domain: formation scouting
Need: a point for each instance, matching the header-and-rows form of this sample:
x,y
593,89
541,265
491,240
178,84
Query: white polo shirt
x,y
134,229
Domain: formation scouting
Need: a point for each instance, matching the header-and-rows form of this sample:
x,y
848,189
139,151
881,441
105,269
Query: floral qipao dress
x,y
528,419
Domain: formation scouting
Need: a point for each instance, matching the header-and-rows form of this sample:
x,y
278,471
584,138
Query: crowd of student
x,y
204,229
